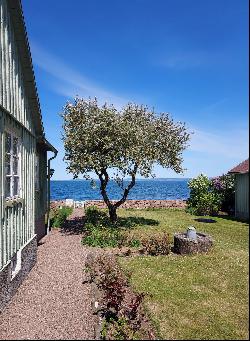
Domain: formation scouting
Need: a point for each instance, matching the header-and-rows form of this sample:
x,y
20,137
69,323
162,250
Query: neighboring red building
x,y
241,172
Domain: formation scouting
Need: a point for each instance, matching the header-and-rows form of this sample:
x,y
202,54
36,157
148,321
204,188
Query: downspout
x,y
48,191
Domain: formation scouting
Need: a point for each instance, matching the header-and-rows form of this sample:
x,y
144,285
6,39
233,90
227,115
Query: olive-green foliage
x,y
99,229
60,216
117,144
98,137
204,199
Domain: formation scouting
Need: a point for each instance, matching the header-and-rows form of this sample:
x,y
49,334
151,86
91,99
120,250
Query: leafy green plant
x,y
94,216
119,329
134,243
225,186
61,215
101,236
204,199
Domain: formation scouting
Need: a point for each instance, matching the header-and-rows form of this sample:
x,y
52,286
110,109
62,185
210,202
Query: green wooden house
x,y
24,164
241,173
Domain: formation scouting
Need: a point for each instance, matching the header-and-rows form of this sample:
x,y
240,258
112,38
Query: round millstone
x,y
184,245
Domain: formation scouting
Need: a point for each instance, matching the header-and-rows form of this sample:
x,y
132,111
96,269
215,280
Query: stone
x,y
184,245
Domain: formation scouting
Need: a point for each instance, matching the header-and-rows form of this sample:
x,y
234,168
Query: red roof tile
x,y
243,167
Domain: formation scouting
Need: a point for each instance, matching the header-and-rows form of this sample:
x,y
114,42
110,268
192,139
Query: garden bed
x,y
119,310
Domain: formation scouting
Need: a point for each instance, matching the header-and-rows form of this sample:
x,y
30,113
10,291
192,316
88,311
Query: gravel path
x,y
52,303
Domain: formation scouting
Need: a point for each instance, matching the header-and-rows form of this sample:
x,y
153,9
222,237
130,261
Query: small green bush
x,y
157,244
93,215
204,199
61,215
101,236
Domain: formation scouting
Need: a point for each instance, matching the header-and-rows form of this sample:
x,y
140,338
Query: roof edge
x,y
46,145
242,168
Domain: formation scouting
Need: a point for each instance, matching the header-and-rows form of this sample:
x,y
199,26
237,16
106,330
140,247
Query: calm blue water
x,y
165,189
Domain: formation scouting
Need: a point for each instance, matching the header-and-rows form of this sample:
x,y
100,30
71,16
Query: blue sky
x,y
185,57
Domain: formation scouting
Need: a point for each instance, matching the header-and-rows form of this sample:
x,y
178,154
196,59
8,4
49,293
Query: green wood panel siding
x,y
12,92
2,239
17,222
41,193
242,196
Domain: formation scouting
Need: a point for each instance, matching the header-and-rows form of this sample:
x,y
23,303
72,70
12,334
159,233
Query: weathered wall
x,y
242,196
8,287
13,97
40,228
17,222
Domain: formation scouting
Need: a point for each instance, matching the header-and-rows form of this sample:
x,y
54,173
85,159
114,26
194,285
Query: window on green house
x,y
12,166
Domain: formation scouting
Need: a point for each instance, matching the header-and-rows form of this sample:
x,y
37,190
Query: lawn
x,y
193,297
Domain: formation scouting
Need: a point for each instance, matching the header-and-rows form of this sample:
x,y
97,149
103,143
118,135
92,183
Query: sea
x,y
144,189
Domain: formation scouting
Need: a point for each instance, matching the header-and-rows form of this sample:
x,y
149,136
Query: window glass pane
x,y
7,143
7,164
15,145
15,165
7,186
16,186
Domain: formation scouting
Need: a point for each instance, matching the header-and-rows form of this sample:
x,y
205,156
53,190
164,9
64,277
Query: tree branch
x,y
104,182
127,189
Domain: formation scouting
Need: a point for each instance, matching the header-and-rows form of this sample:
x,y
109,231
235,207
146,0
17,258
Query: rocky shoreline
x,y
139,204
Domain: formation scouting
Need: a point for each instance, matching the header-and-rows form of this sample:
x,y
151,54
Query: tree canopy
x,y
116,144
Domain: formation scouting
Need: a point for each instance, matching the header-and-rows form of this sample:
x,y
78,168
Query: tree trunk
x,y
104,181
112,213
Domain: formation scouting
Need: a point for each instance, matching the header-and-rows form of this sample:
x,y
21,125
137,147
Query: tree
x,y
115,144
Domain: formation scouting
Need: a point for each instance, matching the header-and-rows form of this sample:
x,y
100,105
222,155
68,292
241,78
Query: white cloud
x,y
68,82
229,144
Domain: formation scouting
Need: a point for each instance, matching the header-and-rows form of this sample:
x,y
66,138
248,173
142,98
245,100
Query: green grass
x,y
200,297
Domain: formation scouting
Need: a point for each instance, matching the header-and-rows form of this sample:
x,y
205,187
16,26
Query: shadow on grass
x,y
99,218
130,222
205,220
233,218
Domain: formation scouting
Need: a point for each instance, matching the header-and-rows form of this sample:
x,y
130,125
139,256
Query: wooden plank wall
x,y
17,222
242,196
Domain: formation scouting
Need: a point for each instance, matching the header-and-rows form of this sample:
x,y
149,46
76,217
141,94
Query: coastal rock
x,y
139,204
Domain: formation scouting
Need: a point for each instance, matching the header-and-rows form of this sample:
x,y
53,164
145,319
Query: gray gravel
x,y
52,303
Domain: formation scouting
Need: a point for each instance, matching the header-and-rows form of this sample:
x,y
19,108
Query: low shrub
x,y
101,236
225,186
157,244
99,232
60,216
120,307
95,217
203,200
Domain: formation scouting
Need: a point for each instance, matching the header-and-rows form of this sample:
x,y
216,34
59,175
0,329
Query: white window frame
x,y
12,175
